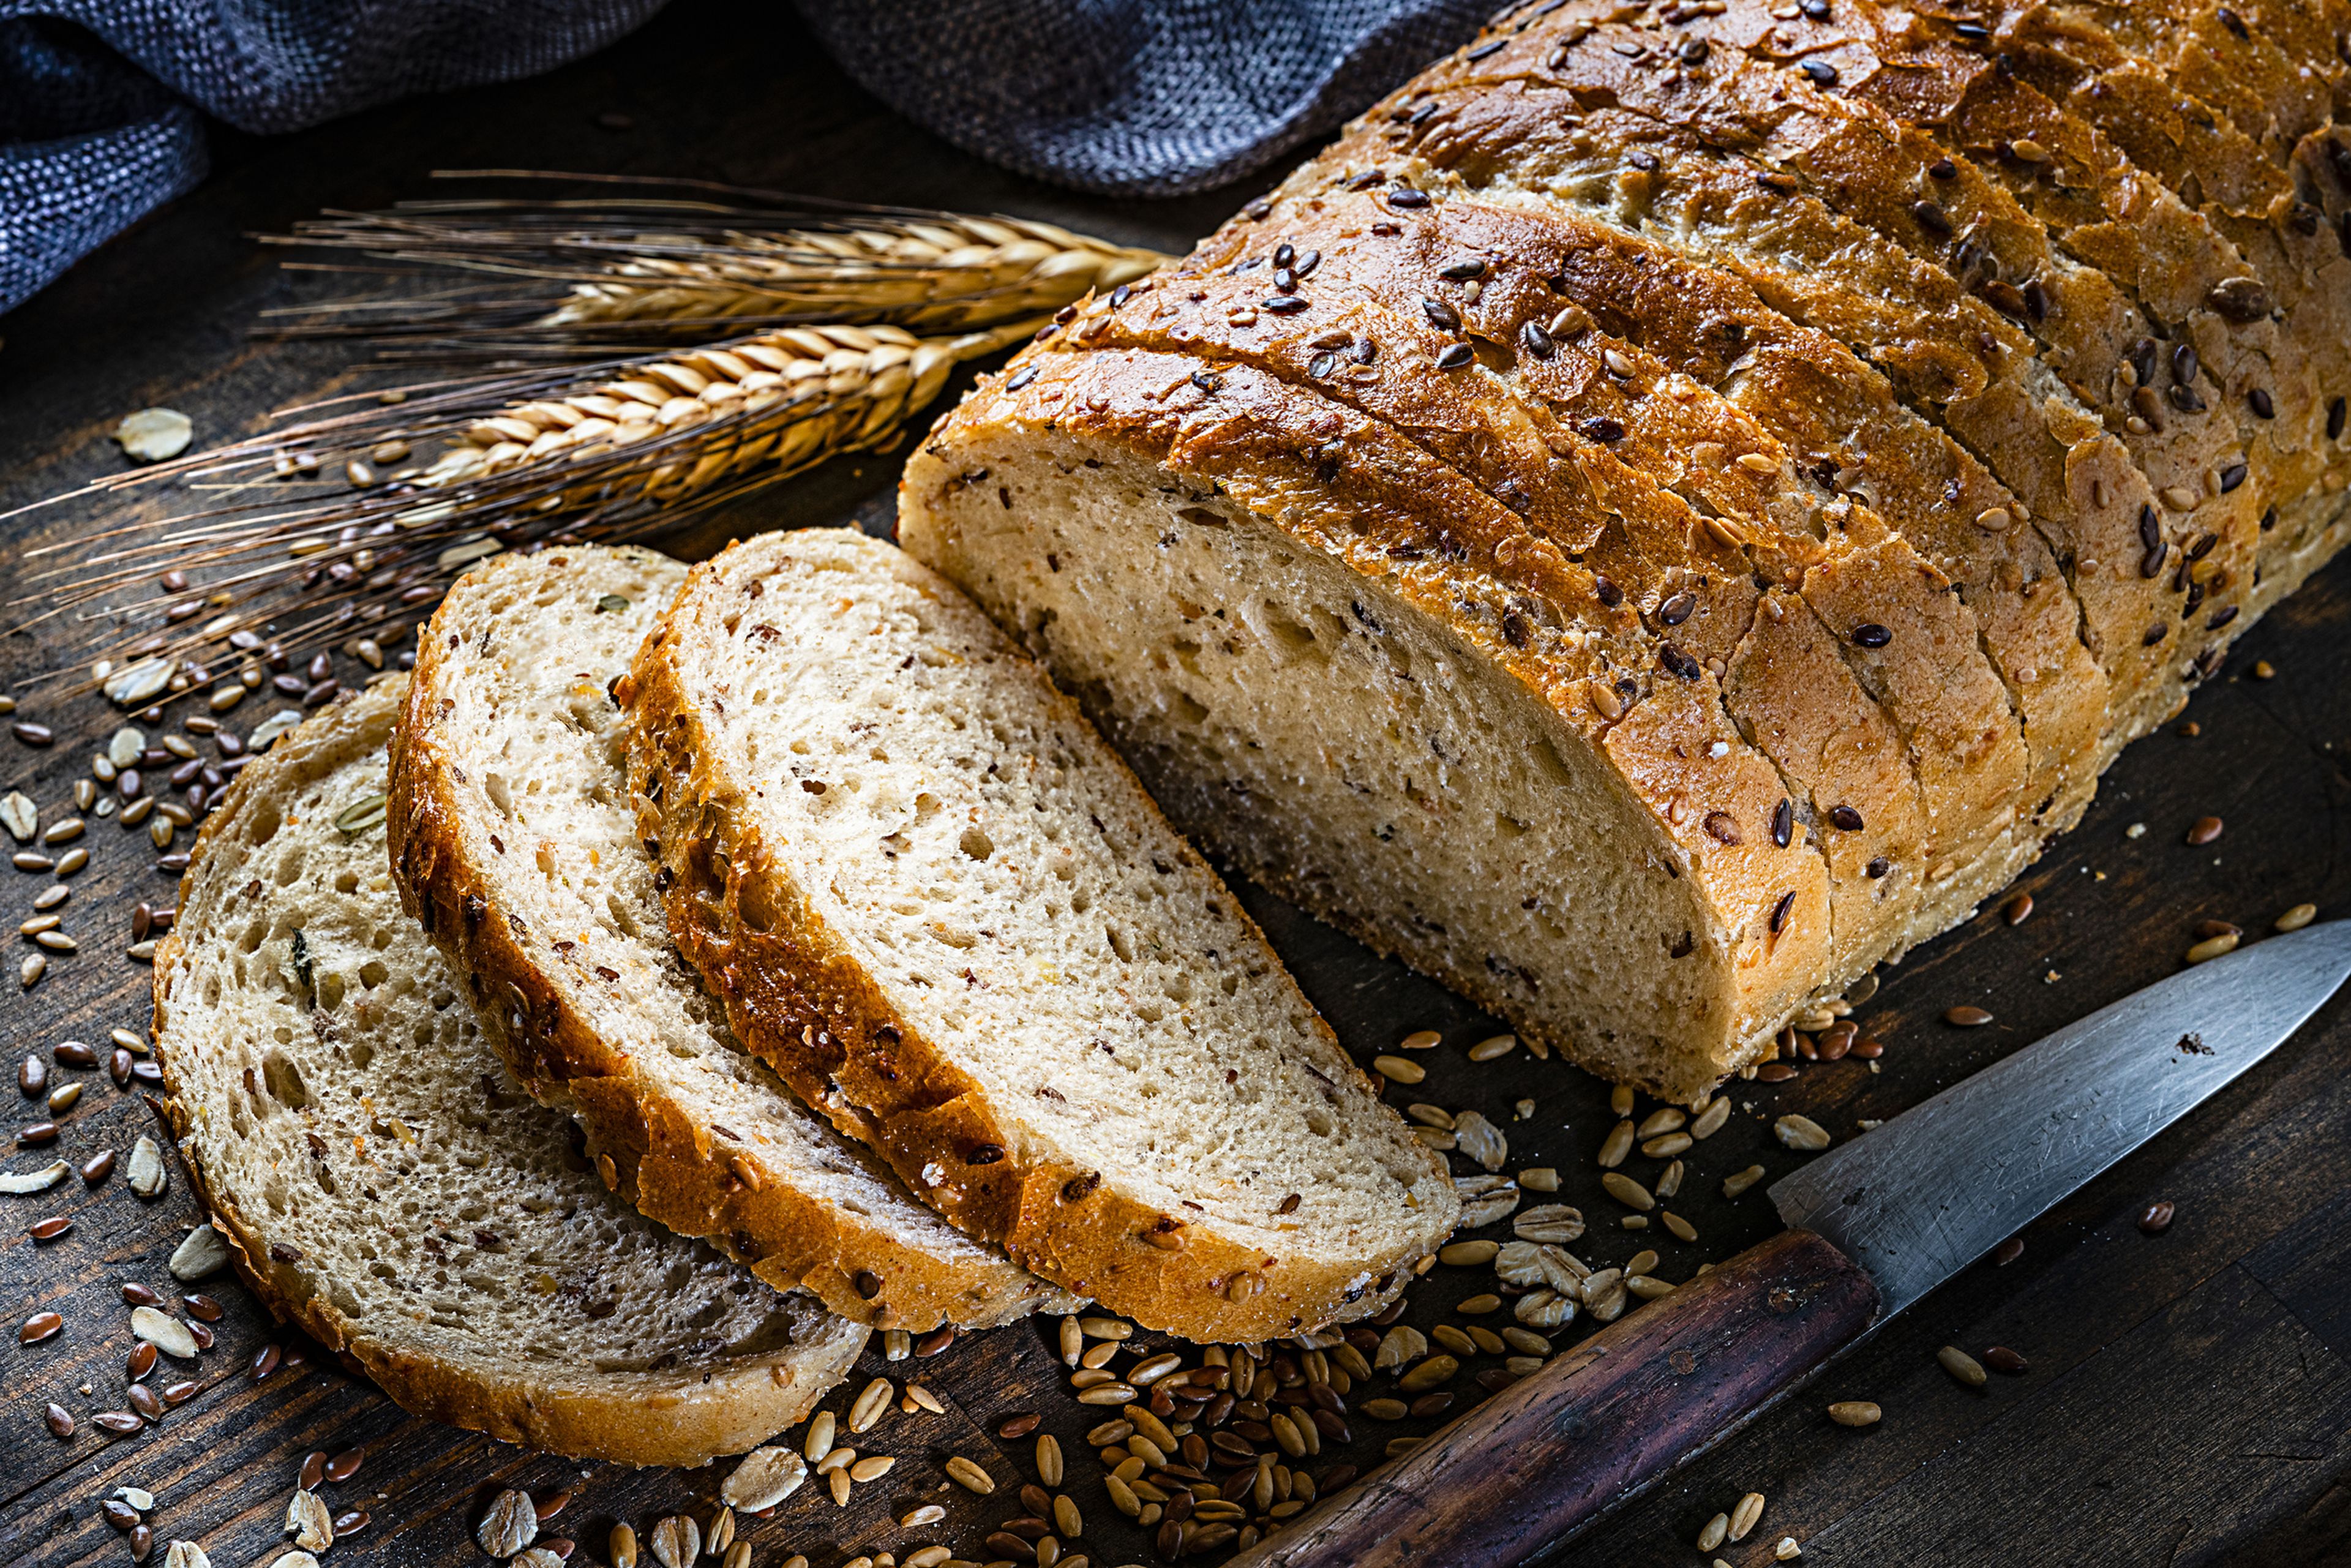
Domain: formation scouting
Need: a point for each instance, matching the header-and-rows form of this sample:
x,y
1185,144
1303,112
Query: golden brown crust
x,y
679,1424
798,994
696,1177
1740,213
1339,481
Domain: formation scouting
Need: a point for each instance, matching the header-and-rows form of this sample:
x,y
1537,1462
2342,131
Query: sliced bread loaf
x,y
512,841
385,1186
947,914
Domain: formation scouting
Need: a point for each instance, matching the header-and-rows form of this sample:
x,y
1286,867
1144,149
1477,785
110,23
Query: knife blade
x,y
1918,1199
1873,1226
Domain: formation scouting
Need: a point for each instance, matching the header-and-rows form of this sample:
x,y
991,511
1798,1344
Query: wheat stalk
x,y
426,480
516,275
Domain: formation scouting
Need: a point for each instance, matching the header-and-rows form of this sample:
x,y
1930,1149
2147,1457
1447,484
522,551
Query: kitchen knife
x,y
1873,1226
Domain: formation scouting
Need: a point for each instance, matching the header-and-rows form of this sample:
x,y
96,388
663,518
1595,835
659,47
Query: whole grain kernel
x,y
1049,1459
871,1405
2212,947
1469,1254
1397,1070
1478,1306
1745,1515
968,1476
2294,919
1854,1413
1616,1145
1627,1191
1494,1047
1420,1040
1716,1531
1963,1367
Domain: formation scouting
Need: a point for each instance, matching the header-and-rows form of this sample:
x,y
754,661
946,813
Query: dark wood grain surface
x,y
2189,1396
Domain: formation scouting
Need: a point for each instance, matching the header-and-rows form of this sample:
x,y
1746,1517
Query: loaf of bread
x,y
947,915
512,841
1680,502
383,1184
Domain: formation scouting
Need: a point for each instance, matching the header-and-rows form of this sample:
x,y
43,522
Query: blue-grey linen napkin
x,y
102,101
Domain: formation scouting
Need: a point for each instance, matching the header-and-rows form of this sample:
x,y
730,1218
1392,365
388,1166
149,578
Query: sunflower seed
x,y
1480,1140
164,1332
1397,1070
1538,1179
1627,1191
1616,1145
146,1172
512,1524
1494,1046
203,1253
1428,1374
764,1479
1962,1366
41,1180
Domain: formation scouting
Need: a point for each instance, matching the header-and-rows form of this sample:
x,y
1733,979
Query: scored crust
x,y
796,1202
804,995
680,1407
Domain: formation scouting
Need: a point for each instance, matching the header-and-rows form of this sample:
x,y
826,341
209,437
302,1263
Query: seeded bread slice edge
x,y
798,991
647,1419
671,1167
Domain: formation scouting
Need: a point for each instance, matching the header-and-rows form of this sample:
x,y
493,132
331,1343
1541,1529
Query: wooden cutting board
x,y
2189,1396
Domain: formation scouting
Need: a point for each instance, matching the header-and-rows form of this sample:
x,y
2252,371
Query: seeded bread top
x,y
514,842
947,912
390,1188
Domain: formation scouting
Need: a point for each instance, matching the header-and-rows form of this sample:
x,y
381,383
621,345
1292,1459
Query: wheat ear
x,y
544,276
428,480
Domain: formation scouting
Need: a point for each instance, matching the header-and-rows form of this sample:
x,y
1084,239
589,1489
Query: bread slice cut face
x,y
512,841
943,909
386,1187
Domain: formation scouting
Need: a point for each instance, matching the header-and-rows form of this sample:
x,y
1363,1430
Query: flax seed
x,y
2156,1217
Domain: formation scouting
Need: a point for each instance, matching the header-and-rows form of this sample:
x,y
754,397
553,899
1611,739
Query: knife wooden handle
x,y
1553,1451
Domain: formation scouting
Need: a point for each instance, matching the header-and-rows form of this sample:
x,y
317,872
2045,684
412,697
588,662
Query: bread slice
x,y
946,913
384,1185
512,841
